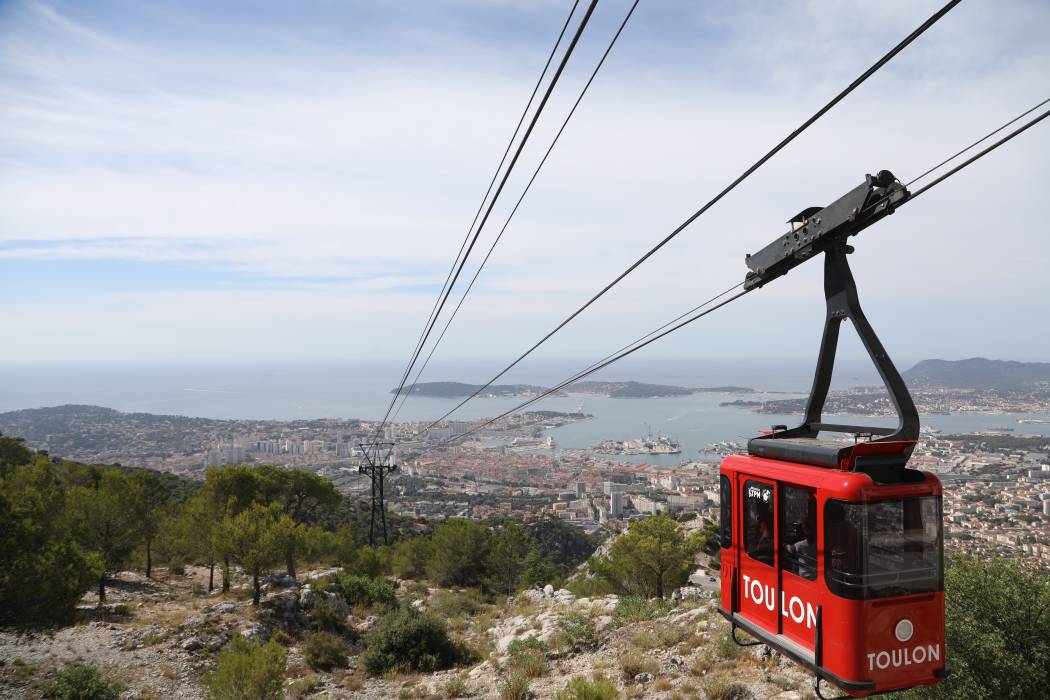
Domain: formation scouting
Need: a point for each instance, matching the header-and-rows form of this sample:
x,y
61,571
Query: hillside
x,y
457,390
978,373
158,638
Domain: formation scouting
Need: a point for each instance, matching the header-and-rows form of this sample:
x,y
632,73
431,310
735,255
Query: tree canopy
x,y
651,559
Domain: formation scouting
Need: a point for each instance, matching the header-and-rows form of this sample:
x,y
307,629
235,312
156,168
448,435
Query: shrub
x,y
515,687
325,616
449,604
455,687
727,648
303,687
519,646
630,608
579,688
459,550
410,641
369,592
634,663
577,630
409,559
589,587
283,638
995,619
247,671
325,651
529,656
719,688
645,639
669,635
369,562
80,682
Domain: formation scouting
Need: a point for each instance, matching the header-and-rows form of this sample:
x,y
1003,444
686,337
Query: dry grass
x,y
645,640
353,682
702,665
532,663
669,635
727,648
515,687
692,643
633,663
455,687
662,684
632,692
719,687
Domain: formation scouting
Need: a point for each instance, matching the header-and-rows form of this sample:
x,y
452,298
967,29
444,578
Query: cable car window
x,y
725,510
798,531
883,548
758,521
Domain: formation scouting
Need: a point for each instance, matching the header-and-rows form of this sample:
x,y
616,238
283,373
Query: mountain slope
x,y
978,373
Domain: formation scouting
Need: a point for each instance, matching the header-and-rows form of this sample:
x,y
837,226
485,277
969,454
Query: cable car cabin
x,y
835,570
832,548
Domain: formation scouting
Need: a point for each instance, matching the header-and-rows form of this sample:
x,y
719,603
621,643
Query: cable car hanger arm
x,y
826,230
817,229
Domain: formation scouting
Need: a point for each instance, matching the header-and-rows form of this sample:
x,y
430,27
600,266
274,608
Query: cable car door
x,y
800,589
758,553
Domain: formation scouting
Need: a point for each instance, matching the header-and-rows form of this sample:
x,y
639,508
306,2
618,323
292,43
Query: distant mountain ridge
x,y
630,389
978,373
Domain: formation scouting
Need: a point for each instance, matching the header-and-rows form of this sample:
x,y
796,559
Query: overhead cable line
x,y
980,155
506,223
977,142
488,191
503,159
477,232
776,149
610,359
648,339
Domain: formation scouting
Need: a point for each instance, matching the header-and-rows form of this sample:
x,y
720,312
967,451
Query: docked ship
x,y
648,445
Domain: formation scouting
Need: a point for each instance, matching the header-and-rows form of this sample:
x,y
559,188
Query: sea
x,y
291,391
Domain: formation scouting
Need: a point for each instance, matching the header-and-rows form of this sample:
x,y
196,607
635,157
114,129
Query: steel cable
x,y
776,149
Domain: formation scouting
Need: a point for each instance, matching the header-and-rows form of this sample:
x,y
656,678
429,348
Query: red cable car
x,y
832,549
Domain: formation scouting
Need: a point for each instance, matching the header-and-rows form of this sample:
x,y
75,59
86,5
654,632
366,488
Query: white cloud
x,y
304,162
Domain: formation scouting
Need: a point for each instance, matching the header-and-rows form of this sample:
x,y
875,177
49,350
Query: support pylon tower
x,y
377,460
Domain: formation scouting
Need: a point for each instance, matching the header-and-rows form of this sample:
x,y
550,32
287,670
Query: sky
x,y
290,182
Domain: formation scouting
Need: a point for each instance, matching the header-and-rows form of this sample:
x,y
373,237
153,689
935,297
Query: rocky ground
x,y
158,637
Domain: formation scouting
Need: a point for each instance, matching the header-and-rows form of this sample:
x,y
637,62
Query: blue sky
x,y
277,181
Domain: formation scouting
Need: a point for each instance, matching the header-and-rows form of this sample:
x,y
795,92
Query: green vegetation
x,y
67,527
459,551
455,687
998,632
579,688
369,592
325,651
36,545
721,688
409,641
506,557
577,630
528,656
326,617
631,608
515,687
247,671
80,682
651,559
